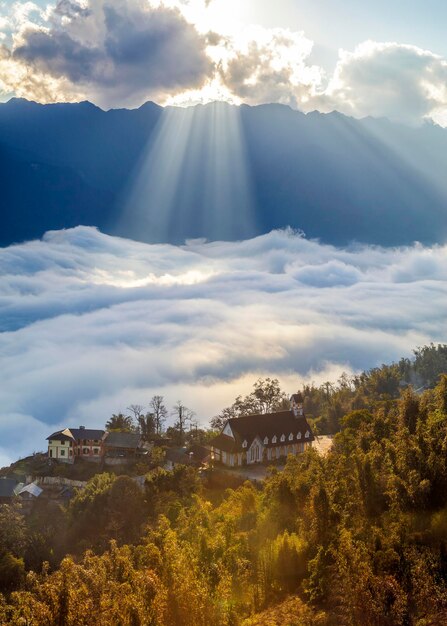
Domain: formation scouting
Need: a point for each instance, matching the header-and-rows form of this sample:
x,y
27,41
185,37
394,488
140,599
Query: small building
x,y
195,455
70,443
123,446
61,446
9,488
199,455
28,495
175,457
264,438
30,492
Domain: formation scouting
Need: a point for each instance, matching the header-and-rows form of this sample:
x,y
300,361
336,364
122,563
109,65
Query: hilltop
x,y
368,517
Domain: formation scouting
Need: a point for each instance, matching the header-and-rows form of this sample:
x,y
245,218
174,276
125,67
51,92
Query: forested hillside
x,y
358,536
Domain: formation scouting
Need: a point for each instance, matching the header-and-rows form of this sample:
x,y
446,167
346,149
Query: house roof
x,y
200,453
248,427
86,433
8,487
62,435
122,440
178,455
224,442
297,397
75,434
32,489
194,455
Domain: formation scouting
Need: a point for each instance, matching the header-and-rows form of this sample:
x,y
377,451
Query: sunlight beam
x,y
193,180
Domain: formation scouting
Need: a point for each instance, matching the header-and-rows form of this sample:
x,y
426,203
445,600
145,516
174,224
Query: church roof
x,y
297,397
225,443
269,425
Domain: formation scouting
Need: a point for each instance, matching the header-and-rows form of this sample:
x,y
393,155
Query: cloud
x,y
111,51
92,323
270,65
71,10
401,82
125,52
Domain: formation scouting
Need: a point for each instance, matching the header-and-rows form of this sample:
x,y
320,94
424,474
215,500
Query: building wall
x,y
265,454
255,453
89,449
60,450
227,430
65,451
108,460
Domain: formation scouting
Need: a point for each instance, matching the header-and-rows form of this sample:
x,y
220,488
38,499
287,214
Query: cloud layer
x,y
91,323
124,52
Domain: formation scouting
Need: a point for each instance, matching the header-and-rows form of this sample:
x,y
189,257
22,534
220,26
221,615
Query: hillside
x,y
334,177
357,536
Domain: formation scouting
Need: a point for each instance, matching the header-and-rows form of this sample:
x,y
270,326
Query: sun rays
x,y
193,178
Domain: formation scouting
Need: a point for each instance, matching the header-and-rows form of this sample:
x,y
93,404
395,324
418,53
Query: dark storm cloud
x,y
126,47
59,54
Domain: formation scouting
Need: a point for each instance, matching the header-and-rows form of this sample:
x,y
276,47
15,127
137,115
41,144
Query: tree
x,y
109,507
147,426
197,435
159,411
441,394
409,409
12,572
13,534
182,415
218,421
137,410
266,397
120,423
430,361
269,395
126,510
13,539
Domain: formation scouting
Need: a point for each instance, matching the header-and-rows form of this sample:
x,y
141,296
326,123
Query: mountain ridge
x,y
337,178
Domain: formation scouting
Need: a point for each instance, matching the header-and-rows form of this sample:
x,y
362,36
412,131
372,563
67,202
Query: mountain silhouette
x,y
336,178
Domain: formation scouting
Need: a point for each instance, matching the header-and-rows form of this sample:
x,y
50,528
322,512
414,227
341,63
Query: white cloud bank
x,y
124,52
401,82
92,323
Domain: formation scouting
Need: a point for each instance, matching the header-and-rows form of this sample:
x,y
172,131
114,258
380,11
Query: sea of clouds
x,y
91,323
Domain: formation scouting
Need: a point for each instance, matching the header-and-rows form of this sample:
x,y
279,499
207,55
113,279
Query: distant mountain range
x,y
334,177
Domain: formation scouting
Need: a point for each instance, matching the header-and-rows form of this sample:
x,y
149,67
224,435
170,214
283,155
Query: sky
x,y
385,59
92,323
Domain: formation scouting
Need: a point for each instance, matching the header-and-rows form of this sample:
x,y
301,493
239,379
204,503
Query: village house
x,y
122,446
65,445
9,488
264,438
195,455
28,495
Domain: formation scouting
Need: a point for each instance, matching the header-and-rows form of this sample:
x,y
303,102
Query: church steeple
x,y
297,404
